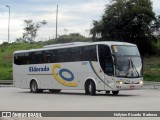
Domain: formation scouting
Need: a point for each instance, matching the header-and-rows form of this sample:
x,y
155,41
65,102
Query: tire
x,y
115,92
34,87
55,90
87,89
92,88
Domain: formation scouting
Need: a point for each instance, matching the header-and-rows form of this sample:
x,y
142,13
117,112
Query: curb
x,y
151,85
6,86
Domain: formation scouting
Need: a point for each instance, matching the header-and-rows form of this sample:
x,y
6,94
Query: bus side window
x,y
20,59
105,59
16,59
53,56
75,54
27,60
63,55
36,57
90,53
47,57
68,55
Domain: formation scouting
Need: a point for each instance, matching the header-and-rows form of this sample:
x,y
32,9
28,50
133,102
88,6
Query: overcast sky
x,y
74,15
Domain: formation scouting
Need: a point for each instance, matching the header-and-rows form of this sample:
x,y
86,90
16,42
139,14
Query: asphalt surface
x,y
15,99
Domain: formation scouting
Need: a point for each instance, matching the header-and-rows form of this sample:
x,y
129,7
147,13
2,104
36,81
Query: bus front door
x,y
109,73
106,63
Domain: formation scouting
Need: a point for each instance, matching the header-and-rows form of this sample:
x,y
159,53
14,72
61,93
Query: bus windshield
x,y
128,62
125,50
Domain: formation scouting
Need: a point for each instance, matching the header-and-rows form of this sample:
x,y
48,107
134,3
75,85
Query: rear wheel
x,y
115,92
34,87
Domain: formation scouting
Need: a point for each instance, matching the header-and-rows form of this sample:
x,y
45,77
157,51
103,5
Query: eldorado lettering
x,y
36,69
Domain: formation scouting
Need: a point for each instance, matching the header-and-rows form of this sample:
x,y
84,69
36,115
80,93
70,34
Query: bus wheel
x,y
55,90
115,92
92,88
34,87
87,88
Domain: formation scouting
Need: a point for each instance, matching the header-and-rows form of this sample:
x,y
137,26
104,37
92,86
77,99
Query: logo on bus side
x,y
37,69
63,75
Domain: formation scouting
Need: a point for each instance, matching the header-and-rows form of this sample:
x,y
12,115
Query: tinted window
x,y
21,58
87,53
77,54
47,57
90,53
36,57
63,55
105,59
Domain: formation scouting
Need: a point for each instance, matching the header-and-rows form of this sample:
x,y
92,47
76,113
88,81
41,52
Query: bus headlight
x,y
141,82
119,82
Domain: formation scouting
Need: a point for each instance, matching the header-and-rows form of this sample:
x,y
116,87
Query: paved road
x,y
15,99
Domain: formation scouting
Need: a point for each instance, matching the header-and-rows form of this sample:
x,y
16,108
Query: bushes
x,y
152,68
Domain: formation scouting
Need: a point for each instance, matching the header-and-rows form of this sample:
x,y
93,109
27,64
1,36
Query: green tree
x,y
156,27
72,37
30,31
128,21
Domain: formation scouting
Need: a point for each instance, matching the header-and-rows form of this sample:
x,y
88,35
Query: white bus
x,y
89,66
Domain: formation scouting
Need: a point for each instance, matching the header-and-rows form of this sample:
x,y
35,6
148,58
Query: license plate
x,y
132,87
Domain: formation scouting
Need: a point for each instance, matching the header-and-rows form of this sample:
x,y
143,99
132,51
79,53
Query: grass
x,y
6,57
6,73
152,69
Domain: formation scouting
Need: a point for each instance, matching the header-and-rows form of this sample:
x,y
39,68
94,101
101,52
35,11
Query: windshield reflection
x,y
122,50
128,66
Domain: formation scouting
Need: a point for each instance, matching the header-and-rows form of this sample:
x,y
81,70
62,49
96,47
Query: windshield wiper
x,y
134,67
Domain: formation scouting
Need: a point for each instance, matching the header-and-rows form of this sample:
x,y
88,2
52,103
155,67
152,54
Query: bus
x,y
88,66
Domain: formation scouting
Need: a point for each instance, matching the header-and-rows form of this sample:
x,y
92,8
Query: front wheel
x,y
92,88
115,92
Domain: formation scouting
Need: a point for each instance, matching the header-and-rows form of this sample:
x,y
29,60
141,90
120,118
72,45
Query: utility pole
x,y
56,20
7,61
8,24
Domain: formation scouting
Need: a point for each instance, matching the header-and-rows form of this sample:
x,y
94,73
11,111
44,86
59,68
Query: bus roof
x,y
75,44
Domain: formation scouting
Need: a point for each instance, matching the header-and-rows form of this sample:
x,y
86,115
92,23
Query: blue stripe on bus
x,y
97,74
